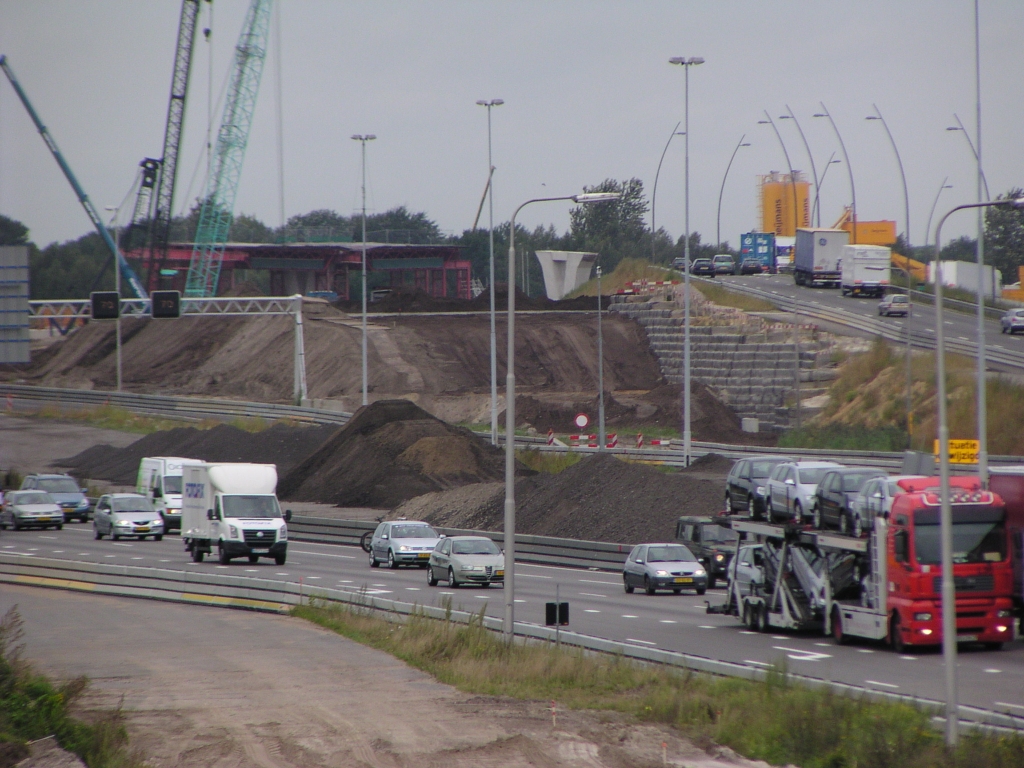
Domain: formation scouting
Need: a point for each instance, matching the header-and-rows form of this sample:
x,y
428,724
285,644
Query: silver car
x,y
402,542
126,514
30,509
790,489
1012,321
746,569
466,560
663,566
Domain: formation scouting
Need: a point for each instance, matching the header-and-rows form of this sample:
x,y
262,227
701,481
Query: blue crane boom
x,y
126,270
226,169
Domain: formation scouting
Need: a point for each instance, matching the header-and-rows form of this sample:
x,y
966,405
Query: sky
x,y
589,95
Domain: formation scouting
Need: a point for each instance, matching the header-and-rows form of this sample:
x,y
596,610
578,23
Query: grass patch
x,y
846,438
723,297
778,721
625,272
549,462
123,420
32,707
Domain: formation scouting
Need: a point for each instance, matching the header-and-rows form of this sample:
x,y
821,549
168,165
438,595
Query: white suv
x,y
790,489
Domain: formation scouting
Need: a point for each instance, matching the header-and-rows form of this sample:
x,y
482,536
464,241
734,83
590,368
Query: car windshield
x,y
672,553
811,476
131,504
475,547
172,484
894,489
853,482
762,468
972,543
413,532
718,534
58,485
250,506
723,259
32,498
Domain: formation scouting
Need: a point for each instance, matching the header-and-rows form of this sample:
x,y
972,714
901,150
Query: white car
x,y
791,486
747,569
402,542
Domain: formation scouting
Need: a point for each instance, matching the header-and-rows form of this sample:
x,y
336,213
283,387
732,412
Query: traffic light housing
x,y
106,305
165,304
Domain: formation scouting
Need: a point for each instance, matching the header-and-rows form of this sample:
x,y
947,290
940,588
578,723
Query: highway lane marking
x,y
58,551
642,642
110,555
669,621
323,554
33,549
481,597
520,601
591,594
884,685
83,554
344,581
138,558
909,658
226,566
629,616
590,610
47,538
993,671
378,585
779,637
313,577
533,576
592,581
799,654
747,632
1008,704
706,626
864,650
119,544
281,573
822,645
417,589
8,546
251,570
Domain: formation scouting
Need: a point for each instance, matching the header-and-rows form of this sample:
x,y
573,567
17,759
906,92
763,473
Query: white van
x,y
233,507
160,481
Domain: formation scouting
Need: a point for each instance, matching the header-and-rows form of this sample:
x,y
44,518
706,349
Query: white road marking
x,y
33,549
80,554
518,600
757,663
48,538
323,554
642,642
668,621
312,577
378,585
251,570
591,594
220,566
799,654
909,658
8,546
864,650
162,561
138,558
110,555
281,573
344,581
629,616
747,632
993,671
413,589
884,685
590,610
822,645
706,626
779,637
534,576
58,551
593,581
119,544
481,597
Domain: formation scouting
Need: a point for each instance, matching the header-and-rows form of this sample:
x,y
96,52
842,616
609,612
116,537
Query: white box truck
x,y
234,508
866,270
818,256
159,480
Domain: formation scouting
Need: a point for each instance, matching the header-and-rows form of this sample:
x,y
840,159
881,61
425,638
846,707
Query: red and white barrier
x,y
578,440
639,440
551,437
613,441
661,443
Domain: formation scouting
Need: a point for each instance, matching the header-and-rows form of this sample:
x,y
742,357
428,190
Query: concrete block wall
x,y
747,363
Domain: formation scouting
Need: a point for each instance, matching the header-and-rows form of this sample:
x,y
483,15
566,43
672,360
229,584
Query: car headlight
x,y
472,568
124,523
719,557
282,533
922,617
403,548
232,532
83,504
700,572
661,573
760,490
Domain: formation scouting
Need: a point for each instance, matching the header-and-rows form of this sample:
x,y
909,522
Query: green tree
x,y
1004,237
69,270
964,248
12,232
249,229
398,225
617,229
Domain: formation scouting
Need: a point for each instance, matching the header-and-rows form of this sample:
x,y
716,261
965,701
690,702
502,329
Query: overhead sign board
x,y
961,451
14,285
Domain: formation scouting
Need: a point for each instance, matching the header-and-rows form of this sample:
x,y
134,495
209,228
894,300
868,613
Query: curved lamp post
x,y
817,207
931,213
654,191
362,139
490,243
960,127
789,164
508,624
946,520
718,228
807,148
899,161
853,191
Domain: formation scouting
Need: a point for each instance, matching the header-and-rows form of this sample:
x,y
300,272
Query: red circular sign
x,y
581,420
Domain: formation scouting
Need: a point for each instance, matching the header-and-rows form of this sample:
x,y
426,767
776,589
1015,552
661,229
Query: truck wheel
x,y
728,504
751,508
798,513
712,580
858,527
222,555
837,626
197,554
762,620
816,517
254,558
844,523
280,559
896,636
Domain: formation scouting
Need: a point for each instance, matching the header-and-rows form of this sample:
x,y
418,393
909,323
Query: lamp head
x,y
1018,203
682,60
820,114
872,117
785,117
764,122
596,197
745,144
953,128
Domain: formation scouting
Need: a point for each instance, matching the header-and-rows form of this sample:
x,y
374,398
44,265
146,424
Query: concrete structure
x,y
564,271
14,287
964,274
439,270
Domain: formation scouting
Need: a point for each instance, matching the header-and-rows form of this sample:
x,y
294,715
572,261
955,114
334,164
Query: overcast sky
x,y
588,92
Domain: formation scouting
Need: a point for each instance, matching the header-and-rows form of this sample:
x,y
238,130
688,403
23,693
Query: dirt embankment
x,y
599,499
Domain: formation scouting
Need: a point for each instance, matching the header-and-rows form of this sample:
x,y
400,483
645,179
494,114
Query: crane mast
x,y
226,168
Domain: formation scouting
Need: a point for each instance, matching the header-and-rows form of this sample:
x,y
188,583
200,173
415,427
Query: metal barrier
x,y
265,595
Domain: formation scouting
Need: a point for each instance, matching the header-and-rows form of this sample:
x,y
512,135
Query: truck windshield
x,y
972,543
250,506
172,484
718,534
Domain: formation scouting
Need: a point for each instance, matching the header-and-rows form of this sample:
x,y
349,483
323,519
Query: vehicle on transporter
x,y
887,586
233,507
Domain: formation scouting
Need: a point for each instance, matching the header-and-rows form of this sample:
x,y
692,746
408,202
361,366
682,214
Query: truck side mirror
x,y
209,515
900,546
287,515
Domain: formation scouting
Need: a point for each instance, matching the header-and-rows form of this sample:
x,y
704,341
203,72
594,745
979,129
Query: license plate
x,y
142,529
967,638
43,519
423,555
684,580
260,549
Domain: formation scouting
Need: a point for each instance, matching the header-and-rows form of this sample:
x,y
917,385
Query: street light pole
x,y
807,148
960,127
362,139
718,228
600,370
899,161
686,63
816,209
931,213
508,623
982,403
490,242
117,287
654,191
946,520
846,158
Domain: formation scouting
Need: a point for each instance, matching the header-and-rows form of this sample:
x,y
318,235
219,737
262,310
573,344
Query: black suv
x,y
745,485
712,544
833,500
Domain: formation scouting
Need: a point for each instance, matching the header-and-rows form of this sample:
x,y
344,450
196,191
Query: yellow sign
x,y
960,451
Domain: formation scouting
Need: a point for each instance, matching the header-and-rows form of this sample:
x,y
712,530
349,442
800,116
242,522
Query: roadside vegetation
x,y
33,707
123,420
552,463
627,271
723,297
779,720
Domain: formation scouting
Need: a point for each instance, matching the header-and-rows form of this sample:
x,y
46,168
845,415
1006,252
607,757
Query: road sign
x,y
165,304
961,451
581,420
106,305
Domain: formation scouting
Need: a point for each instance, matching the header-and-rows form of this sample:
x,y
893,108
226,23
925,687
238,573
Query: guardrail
x,y
201,588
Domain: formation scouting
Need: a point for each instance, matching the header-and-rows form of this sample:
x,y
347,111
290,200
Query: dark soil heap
x,y
599,499
280,444
389,452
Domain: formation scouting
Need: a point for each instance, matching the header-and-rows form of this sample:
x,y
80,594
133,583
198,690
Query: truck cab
x,y
159,480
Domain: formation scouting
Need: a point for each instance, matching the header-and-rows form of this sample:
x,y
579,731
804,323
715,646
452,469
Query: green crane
x,y
229,153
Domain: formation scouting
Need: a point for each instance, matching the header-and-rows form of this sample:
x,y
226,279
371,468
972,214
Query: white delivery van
x,y
233,508
865,270
818,256
159,481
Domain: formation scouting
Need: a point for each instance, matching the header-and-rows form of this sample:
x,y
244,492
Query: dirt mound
x,y
389,452
711,462
279,444
599,499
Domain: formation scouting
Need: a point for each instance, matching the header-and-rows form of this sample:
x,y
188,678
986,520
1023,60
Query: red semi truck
x,y
1008,484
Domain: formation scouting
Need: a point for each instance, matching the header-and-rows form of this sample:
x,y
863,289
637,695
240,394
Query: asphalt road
x,y
598,607
958,325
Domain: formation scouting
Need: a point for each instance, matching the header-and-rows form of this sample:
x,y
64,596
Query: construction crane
x,y
226,169
155,198
126,271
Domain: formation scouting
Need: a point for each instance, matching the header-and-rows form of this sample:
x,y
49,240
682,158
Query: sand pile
x,y
389,452
599,499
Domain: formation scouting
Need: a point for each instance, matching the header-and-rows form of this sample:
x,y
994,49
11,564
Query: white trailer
x,y
233,507
159,480
818,256
865,270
